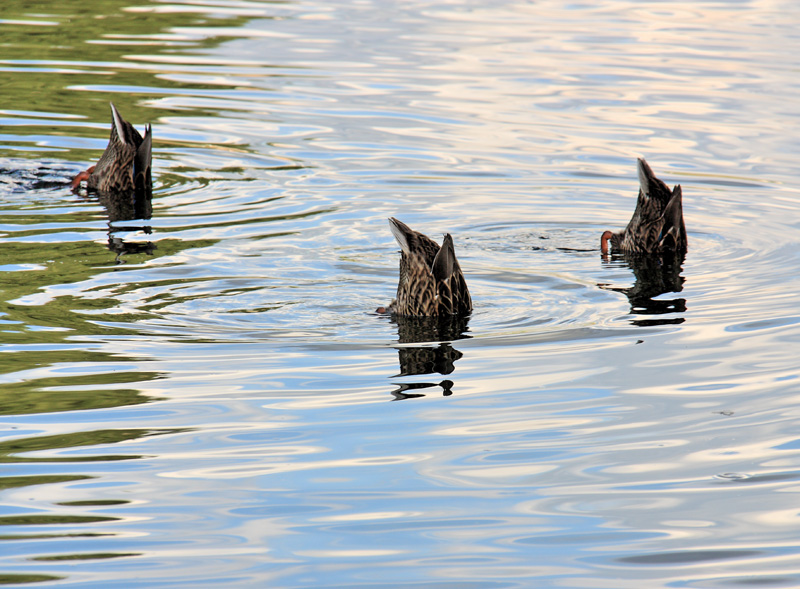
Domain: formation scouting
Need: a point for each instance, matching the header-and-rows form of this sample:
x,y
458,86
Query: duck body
x,y
431,281
657,224
124,168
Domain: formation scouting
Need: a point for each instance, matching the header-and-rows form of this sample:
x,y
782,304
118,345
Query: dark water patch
x,y
689,557
94,503
588,539
51,536
750,479
730,183
22,579
88,556
751,580
765,324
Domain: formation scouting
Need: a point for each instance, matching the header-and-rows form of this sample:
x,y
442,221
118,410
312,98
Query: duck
x,y
431,281
124,167
657,224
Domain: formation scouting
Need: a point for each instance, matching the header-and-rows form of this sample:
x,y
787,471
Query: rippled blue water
x,y
206,398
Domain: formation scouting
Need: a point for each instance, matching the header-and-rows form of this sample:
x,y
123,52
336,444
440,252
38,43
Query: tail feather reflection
x,y
128,209
400,393
438,356
653,276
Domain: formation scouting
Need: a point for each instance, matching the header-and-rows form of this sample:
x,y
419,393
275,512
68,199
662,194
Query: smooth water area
x,y
207,398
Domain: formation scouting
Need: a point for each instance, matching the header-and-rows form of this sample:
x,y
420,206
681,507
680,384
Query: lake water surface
x,y
206,397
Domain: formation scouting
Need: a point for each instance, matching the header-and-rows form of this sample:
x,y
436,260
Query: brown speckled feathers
x,y
124,167
431,282
657,223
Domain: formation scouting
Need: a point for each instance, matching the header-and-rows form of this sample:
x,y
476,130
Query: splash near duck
x,y
431,282
124,167
657,224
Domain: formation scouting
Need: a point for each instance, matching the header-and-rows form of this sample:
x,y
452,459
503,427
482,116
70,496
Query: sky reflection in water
x,y
201,393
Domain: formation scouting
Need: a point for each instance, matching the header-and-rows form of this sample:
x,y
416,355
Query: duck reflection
x,y
136,207
437,357
654,275
119,207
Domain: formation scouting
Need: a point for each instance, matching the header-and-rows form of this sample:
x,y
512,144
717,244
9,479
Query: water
x,y
205,398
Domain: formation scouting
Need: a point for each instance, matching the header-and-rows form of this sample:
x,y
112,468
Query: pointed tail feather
x,y
673,233
142,162
652,187
645,174
143,158
401,231
444,263
119,124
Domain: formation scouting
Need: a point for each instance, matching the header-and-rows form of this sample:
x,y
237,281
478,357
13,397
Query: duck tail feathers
x,y
401,231
142,162
444,264
645,176
673,235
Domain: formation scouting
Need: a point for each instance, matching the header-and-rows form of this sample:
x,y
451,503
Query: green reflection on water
x,y
11,579
9,449
41,318
87,44
39,395
66,263
26,481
